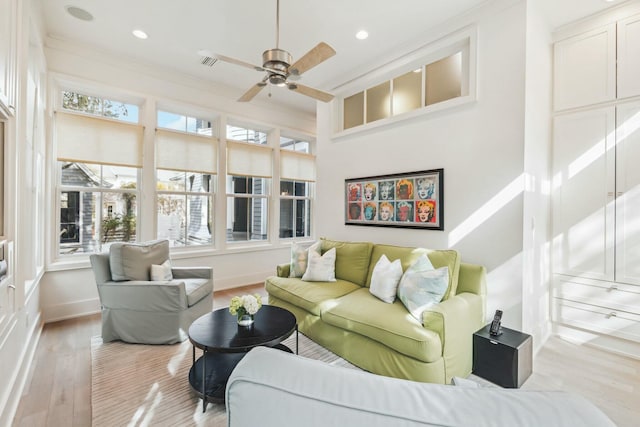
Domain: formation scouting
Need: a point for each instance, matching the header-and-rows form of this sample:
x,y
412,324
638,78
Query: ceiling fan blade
x,y
252,92
309,91
315,56
238,62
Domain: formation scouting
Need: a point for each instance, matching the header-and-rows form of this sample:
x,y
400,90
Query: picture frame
x,y
407,200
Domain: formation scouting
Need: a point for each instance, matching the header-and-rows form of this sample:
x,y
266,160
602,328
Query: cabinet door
x,y
585,68
583,193
629,57
628,194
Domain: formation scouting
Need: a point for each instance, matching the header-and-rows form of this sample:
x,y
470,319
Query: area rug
x,y
147,385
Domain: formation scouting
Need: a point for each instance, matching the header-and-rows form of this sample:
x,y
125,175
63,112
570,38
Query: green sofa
x,y
344,317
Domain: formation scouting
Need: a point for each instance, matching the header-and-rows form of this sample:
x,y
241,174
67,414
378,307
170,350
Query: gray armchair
x,y
136,309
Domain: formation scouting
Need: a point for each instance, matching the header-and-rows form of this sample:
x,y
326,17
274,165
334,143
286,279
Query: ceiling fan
x,y
282,71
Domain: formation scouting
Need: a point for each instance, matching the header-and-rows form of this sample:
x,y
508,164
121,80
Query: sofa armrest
x,y
282,270
455,320
192,272
144,296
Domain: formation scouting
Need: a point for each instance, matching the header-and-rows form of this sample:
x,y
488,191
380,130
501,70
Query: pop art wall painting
x,y
413,200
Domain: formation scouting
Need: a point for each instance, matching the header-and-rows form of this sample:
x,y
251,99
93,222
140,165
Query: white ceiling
x,y
243,29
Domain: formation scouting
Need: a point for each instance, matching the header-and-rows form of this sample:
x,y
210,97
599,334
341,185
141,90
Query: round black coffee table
x,y
224,342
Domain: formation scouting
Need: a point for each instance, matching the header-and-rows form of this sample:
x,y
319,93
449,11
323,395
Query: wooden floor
x,y
58,390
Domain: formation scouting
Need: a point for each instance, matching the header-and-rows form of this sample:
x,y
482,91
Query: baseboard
x,y
54,313
8,413
239,281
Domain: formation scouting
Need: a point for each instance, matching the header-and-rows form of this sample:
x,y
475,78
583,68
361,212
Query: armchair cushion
x,y
133,261
162,271
197,289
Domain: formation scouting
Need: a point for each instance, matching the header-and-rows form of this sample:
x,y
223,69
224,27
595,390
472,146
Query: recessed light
x,y
362,34
140,34
79,13
417,70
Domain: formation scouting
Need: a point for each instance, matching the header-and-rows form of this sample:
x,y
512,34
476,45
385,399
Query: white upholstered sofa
x,y
273,388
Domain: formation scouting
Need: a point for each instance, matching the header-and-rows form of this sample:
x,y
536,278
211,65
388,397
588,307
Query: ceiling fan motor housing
x,y
277,60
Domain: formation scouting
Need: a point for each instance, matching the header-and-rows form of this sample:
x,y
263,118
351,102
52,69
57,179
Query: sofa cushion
x,y
132,261
197,289
299,257
352,259
321,268
422,287
407,255
385,279
310,296
389,324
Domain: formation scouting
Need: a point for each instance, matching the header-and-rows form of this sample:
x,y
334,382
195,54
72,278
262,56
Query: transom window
x,y
253,136
179,122
97,106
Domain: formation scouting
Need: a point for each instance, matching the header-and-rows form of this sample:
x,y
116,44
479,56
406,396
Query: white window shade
x,y
186,152
249,160
296,166
96,140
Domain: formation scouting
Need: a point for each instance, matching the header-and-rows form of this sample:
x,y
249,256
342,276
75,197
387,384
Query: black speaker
x,y
505,360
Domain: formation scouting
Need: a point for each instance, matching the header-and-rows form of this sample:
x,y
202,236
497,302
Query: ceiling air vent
x,y
208,61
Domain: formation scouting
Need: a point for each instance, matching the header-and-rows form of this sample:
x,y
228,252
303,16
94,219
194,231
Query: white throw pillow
x,y
321,268
422,287
299,257
385,278
161,272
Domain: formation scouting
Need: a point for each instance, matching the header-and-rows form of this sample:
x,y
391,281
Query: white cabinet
x,y
596,184
629,57
583,193
8,51
596,197
628,193
585,68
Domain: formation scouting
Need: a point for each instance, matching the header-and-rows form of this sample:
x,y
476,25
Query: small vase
x,y
245,319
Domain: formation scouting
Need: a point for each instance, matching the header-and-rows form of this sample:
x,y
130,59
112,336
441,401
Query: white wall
x,y
481,148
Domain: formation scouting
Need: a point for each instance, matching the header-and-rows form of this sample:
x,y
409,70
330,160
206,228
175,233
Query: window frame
x,y
61,188
210,195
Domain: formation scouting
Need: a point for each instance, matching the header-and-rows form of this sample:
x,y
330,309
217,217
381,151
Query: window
x,y
98,206
186,163
297,171
295,209
185,207
167,120
249,169
99,159
96,106
443,77
294,145
246,135
247,208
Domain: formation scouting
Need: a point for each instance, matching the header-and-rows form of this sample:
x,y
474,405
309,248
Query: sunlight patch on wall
x,y
486,211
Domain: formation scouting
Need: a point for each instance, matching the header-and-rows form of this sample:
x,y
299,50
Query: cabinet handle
x,y
612,288
620,193
610,194
610,315
11,287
